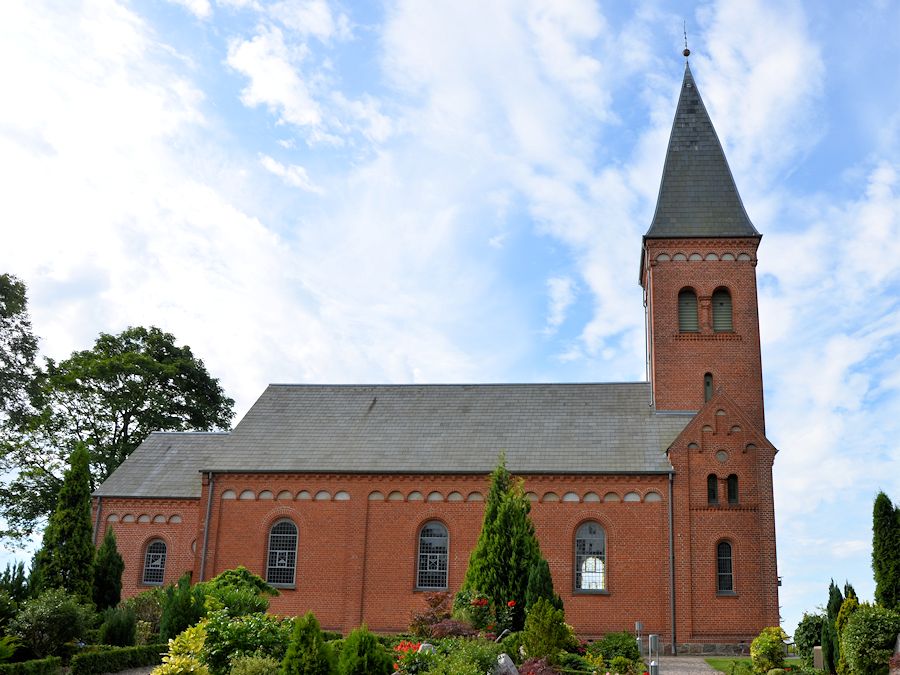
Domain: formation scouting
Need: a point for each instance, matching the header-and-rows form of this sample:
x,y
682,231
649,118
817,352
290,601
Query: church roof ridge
x,y
697,193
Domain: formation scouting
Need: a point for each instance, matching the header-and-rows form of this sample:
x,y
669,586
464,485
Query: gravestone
x,y
505,666
426,648
818,659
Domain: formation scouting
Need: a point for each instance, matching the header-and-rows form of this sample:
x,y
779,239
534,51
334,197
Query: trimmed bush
x,y
767,649
868,639
228,637
546,632
182,607
48,666
116,659
363,655
119,628
616,644
307,653
466,657
46,623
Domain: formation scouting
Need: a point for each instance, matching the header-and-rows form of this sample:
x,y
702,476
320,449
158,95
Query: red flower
x,y
511,603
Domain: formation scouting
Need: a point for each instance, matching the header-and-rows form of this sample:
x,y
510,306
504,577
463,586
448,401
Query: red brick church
x,y
652,500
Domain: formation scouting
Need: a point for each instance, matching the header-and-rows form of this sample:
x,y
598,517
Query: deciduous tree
x,y
110,398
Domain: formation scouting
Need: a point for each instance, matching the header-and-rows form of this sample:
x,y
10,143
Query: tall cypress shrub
x,y
67,553
108,568
830,646
850,605
507,548
886,551
307,653
540,585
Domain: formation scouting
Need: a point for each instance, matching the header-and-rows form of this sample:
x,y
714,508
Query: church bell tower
x,y
698,271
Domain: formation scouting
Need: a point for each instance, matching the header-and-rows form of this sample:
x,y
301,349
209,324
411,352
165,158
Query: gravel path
x,y
684,665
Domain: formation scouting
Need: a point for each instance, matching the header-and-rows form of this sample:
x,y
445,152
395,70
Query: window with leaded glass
x,y
733,489
282,558
155,562
712,489
724,568
590,557
433,554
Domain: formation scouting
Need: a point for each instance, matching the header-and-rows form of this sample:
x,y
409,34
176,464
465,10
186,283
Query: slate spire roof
x,y
697,195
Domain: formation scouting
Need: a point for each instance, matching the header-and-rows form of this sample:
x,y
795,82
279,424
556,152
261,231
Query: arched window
x,y
590,558
282,559
687,311
724,568
433,554
721,302
712,489
155,562
732,489
707,386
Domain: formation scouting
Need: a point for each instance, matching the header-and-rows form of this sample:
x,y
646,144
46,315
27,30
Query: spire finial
x,y
686,52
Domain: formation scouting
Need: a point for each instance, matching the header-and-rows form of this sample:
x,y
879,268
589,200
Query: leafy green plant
x,y
767,649
147,606
540,585
307,653
616,644
546,633
14,581
108,568
362,654
182,606
463,656
253,634
8,646
850,605
438,608
119,627
254,665
115,659
868,639
46,623
8,609
807,635
241,578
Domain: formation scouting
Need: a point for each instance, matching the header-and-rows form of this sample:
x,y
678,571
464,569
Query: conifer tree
x,y
362,654
67,554
886,552
540,585
850,605
830,646
108,568
307,653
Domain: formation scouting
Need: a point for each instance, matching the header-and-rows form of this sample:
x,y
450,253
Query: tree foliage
x,y
507,547
46,623
540,585
67,554
362,654
850,605
886,551
808,635
868,639
18,349
830,646
767,649
182,606
307,653
14,580
110,398
108,568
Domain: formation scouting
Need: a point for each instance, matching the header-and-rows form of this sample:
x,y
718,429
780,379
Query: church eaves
x,y
697,194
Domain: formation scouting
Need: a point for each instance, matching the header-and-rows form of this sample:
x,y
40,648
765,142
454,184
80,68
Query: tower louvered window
x,y
687,312
712,489
155,562
724,568
433,554
721,301
732,489
590,558
282,560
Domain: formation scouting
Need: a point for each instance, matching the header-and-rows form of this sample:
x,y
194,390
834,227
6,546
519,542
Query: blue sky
x,y
319,191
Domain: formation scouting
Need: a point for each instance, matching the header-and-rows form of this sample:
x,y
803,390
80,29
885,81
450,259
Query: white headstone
x,y
426,648
505,666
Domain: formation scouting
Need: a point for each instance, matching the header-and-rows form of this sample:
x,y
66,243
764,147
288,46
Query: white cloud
x,y
275,79
292,174
561,292
311,17
199,8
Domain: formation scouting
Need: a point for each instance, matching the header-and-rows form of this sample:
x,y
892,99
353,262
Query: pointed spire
x,y
697,195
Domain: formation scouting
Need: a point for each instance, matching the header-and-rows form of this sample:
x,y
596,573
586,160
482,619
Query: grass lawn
x,y
724,663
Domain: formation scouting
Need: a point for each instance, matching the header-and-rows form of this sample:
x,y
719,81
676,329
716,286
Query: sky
x,y
317,191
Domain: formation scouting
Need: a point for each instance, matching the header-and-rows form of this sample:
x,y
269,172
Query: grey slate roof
x,y
164,465
697,194
544,428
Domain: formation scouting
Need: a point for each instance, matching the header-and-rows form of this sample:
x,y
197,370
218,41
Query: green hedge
x,y
48,666
114,660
